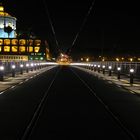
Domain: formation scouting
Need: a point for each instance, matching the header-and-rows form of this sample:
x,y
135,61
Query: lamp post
x,y
27,68
119,72
95,67
13,70
99,68
32,66
110,67
103,67
21,68
131,76
1,73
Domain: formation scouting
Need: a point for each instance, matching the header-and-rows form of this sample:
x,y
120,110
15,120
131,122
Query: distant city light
x,y
131,59
117,59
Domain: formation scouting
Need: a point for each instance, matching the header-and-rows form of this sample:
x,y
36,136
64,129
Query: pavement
x,y
123,82
11,82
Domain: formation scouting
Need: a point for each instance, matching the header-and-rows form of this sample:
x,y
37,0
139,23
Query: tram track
x,y
110,112
29,131
36,115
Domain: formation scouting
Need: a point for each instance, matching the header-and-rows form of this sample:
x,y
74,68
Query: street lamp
x,y
21,68
119,70
1,73
95,67
27,67
110,67
32,65
99,68
131,75
103,69
13,70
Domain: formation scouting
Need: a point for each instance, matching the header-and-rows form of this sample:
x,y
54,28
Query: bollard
x,y
119,72
99,68
110,67
103,69
131,76
21,68
13,70
94,67
1,73
27,68
32,65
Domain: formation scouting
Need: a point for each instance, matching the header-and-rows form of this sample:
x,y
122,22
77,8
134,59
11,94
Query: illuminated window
x,y
0,48
1,9
36,49
6,48
1,41
22,42
22,49
14,42
37,42
30,42
14,49
30,49
6,41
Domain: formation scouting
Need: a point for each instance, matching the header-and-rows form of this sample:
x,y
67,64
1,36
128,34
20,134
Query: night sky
x,y
112,28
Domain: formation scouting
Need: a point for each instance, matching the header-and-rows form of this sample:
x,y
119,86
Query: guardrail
x,y
11,68
129,69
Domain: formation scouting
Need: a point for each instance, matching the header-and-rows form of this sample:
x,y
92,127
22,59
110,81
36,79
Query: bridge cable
x,y
51,24
82,25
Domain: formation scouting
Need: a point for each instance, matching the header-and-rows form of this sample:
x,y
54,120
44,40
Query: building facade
x,y
21,49
15,49
7,24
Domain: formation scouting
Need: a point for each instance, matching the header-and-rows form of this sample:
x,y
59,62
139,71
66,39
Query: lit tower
x,y
7,24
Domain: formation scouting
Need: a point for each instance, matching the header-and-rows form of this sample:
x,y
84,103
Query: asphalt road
x,y
66,103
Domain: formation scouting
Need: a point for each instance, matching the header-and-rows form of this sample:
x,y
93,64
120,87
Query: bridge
x,y
75,101
44,98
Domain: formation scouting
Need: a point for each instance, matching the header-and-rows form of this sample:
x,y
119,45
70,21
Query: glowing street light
x,y
99,68
1,73
131,75
21,68
21,65
103,67
27,67
118,69
13,70
32,65
95,67
13,66
109,67
1,68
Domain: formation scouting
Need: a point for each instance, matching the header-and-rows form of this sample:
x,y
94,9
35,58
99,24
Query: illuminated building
x,y
18,49
13,49
21,49
7,22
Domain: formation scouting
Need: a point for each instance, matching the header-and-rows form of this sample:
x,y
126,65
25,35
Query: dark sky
x,y
112,26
